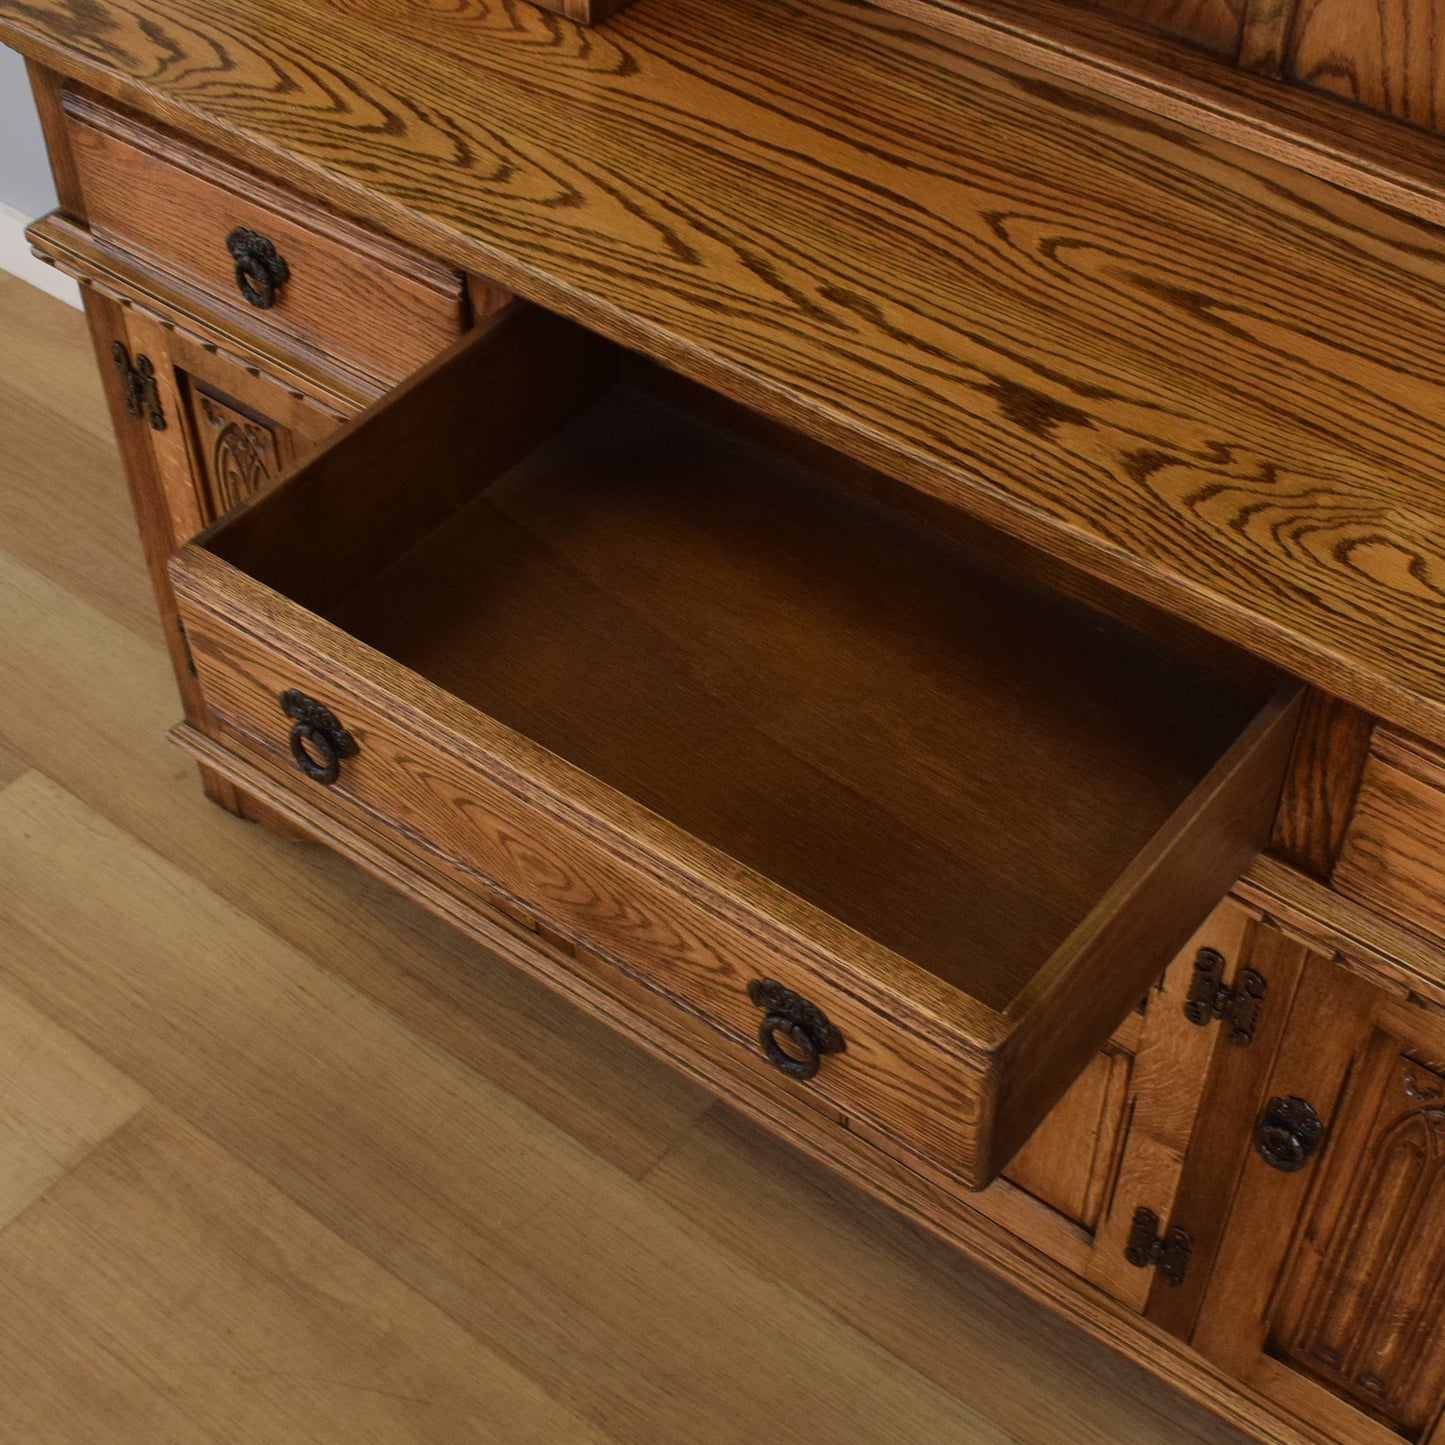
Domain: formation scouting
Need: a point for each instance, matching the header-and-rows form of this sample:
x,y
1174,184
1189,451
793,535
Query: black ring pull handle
x,y
318,741
260,272
1288,1134
805,1026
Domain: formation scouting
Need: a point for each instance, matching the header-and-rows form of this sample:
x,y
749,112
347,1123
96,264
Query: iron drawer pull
x,y
804,1025
318,741
260,272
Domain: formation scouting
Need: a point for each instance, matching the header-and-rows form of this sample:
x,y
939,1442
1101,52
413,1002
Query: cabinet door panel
x,y
1066,1164
1329,1292
1362,1311
233,429
1226,1116
1118,1139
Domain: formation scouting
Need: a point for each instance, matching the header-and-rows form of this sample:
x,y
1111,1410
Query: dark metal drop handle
x,y
318,741
1288,1134
260,271
804,1025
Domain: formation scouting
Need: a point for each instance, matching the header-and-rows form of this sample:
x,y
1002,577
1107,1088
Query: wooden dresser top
x,y
1211,379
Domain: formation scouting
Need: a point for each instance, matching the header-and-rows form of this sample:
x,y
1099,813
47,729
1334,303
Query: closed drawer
x,y
910,833
348,297
1393,855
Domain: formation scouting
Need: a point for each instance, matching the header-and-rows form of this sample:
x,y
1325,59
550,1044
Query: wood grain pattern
x,y
46,482
789,1199
918,1081
11,766
60,1102
60,653
1315,807
1066,1162
176,1265
1215,24
1392,856
82,627
1365,1299
1389,54
191,376
1307,130
333,388
1265,38
1275,1312
839,702
1094,1171
1052,373
1398,962
1216,1150
48,91
1171,1076
163,492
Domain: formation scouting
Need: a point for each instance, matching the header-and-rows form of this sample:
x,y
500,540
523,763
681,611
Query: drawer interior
x,y
942,754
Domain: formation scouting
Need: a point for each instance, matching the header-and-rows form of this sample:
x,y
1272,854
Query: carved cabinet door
x,y
198,432
1115,1144
1328,1292
227,428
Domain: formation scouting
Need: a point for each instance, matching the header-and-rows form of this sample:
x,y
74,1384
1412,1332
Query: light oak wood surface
x,y
286,1160
1197,373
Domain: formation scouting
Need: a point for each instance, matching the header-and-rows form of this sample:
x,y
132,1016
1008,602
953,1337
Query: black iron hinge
x,y
1210,999
138,386
1168,1252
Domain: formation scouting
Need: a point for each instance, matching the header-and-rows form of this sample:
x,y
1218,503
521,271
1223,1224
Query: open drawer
x,y
910,833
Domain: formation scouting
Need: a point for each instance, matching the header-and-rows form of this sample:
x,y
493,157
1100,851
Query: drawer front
x,y
1393,856
550,866
348,296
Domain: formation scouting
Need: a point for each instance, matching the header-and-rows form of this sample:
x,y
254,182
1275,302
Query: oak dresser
x,y
896,554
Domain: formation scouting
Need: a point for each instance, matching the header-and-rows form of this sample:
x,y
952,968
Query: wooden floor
x,y
284,1160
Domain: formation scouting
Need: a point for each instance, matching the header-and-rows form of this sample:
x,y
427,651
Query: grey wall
x,y
24,174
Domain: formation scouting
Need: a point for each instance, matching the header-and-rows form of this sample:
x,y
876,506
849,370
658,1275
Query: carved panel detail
x,y
239,452
1368,1315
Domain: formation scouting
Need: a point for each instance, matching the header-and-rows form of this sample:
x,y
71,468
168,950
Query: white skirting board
x,y
15,257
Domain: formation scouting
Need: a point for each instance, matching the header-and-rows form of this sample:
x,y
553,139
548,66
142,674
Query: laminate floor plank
x,y
260,1326
594,1286
11,765
49,344
64,508
930,1308
88,703
58,1101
